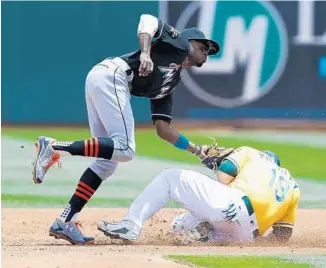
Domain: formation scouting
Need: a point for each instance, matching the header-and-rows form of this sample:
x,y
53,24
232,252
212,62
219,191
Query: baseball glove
x,y
215,155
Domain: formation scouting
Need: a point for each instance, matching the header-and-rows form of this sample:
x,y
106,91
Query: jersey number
x,y
281,188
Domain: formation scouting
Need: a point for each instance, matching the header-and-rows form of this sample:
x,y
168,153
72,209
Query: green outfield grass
x,y
302,161
20,200
237,261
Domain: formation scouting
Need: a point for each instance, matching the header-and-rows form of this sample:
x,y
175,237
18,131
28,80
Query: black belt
x,y
251,211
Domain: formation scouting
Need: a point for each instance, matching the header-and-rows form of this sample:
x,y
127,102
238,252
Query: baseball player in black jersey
x,y
152,72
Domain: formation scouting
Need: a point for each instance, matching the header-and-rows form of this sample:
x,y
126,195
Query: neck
x,y
188,62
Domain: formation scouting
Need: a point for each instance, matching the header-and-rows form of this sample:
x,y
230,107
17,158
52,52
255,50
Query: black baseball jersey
x,y
168,52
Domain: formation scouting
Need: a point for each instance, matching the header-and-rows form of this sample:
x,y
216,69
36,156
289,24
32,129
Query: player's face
x,y
199,53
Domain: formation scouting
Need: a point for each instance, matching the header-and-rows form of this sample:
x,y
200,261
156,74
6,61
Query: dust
x,y
25,241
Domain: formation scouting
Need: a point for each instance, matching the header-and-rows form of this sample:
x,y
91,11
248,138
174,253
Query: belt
x,y
251,211
123,65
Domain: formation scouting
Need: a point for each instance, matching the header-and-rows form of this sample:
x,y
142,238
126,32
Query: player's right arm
x,y
151,28
147,27
162,115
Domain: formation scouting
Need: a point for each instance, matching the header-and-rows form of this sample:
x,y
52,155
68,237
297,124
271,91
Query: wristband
x,y
182,143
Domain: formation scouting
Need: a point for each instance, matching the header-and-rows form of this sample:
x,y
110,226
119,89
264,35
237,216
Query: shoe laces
x,y
80,226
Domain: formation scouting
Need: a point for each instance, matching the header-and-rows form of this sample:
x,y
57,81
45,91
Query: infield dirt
x,y
25,241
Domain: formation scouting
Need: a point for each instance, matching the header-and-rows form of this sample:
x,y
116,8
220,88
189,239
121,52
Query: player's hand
x,y
214,155
231,213
199,150
204,150
146,64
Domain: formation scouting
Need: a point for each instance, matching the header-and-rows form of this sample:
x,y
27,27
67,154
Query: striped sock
x,y
87,186
84,191
95,147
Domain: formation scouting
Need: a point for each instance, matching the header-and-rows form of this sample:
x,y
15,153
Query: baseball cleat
x,y
125,230
45,158
71,232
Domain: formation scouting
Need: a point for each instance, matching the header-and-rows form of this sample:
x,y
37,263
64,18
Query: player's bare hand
x,y
199,150
204,150
146,64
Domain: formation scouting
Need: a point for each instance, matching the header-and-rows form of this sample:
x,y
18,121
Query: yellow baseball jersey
x,y
272,191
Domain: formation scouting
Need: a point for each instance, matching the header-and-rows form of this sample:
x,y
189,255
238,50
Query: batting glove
x,y
231,213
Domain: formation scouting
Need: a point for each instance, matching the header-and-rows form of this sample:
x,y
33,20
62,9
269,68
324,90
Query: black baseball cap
x,y
196,34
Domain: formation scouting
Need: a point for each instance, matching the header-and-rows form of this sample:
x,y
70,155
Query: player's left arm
x,y
226,172
231,165
282,230
162,116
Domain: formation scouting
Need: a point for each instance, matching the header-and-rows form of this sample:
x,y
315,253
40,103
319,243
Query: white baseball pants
x,y
203,197
109,111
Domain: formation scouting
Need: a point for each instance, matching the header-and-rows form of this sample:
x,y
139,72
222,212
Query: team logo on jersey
x,y
169,73
253,50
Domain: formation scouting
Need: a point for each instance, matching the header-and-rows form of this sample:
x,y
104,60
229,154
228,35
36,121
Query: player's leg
x,y
203,197
189,188
100,169
107,87
87,185
112,97
93,176
107,94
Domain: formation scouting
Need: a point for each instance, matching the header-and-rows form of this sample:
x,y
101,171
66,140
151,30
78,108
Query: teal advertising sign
x,y
322,67
270,65
48,49
252,35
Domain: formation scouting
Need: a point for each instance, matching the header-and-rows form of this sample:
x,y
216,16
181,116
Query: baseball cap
x,y
275,158
196,34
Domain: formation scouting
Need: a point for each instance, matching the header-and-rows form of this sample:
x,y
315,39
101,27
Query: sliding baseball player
x,y
251,193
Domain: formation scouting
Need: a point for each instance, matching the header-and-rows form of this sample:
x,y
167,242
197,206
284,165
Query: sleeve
x,y
239,158
161,109
290,218
228,167
167,34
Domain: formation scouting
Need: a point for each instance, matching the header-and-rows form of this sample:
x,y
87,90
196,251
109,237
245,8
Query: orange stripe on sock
x,y
84,191
91,147
85,148
87,187
96,147
82,195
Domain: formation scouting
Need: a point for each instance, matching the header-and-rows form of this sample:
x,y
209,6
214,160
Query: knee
x,y
168,175
104,168
129,155
171,173
123,156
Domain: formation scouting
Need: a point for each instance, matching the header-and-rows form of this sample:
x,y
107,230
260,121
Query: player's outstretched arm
x,y
171,135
